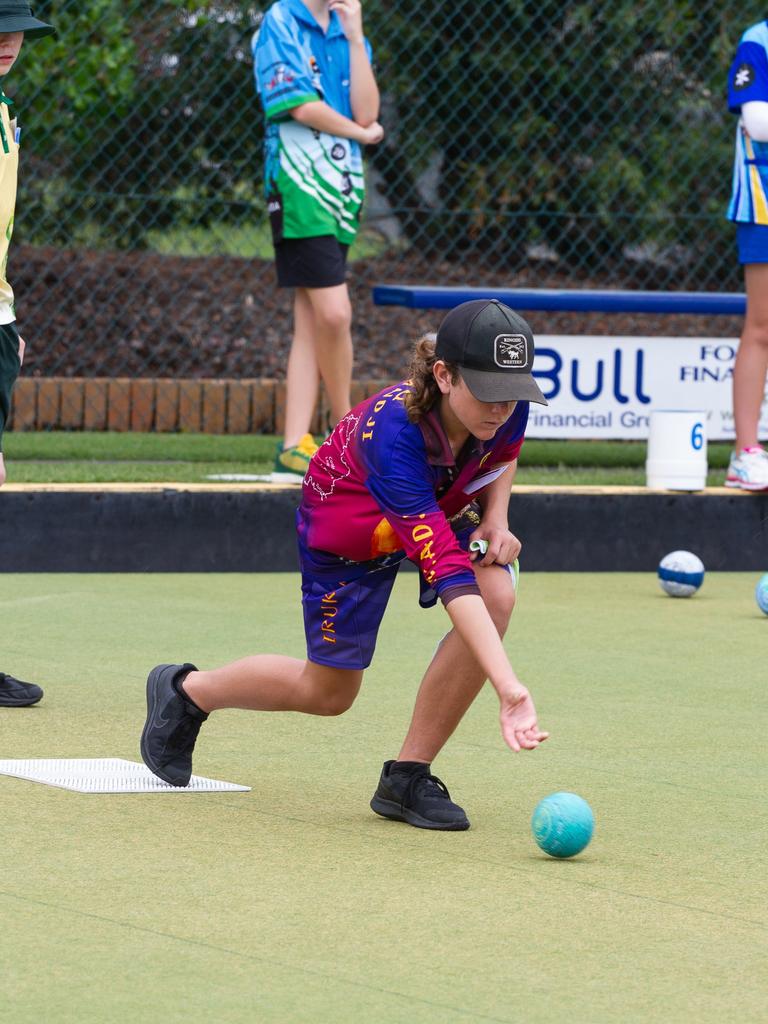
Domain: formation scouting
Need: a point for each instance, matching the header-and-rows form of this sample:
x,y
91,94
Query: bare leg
x,y
751,366
2,470
454,678
333,345
273,682
302,376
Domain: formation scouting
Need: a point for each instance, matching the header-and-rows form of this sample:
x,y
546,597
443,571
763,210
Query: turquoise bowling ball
x,y
562,824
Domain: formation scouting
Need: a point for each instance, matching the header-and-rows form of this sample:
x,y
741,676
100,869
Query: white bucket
x,y
677,450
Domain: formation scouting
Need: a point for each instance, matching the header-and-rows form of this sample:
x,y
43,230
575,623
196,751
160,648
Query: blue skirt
x,y
753,243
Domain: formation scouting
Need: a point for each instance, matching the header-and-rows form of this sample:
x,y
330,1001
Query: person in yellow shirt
x,y
16,24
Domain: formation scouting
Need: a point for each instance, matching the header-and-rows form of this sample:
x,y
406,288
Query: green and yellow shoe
x,y
294,462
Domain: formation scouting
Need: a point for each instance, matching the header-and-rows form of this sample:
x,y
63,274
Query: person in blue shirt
x,y
748,99
321,103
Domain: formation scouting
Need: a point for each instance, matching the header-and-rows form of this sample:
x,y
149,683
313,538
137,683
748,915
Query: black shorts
x,y
319,262
9,371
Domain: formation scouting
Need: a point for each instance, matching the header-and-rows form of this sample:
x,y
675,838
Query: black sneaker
x,y
16,694
418,797
172,726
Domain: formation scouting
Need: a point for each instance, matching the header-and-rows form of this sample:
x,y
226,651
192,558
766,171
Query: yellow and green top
x,y
9,171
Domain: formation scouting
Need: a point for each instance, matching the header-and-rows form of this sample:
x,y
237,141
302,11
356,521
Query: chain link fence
x,y
527,143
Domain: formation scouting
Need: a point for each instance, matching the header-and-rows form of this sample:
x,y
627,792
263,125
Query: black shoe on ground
x,y
172,725
418,797
16,694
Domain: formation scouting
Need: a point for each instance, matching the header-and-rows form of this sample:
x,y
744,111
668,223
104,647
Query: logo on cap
x,y
510,351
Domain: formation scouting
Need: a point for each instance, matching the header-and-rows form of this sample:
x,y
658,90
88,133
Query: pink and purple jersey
x,y
380,485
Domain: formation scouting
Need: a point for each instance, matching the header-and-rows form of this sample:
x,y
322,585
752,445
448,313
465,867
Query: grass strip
x,y
82,446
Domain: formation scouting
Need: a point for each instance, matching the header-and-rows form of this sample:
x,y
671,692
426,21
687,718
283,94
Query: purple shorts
x,y
344,603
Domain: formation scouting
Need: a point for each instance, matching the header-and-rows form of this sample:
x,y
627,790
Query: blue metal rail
x,y
565,300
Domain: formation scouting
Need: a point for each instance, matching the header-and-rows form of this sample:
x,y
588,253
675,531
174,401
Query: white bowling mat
x,y
106,775
285,479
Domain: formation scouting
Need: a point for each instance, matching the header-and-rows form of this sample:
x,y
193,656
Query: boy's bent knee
x,y
500,603
501,612
331,706
332,695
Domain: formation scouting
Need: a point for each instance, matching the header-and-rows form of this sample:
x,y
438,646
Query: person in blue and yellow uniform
x,y
16,24
748,99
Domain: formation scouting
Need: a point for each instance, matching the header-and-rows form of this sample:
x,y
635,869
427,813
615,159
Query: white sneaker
x,y
748,469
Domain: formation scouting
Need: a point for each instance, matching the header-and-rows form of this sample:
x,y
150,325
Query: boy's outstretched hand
x,y
519,726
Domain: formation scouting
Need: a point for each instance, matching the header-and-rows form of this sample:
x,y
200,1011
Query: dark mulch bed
x,y
86,313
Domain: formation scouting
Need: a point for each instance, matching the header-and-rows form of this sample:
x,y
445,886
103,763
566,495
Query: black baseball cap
x,y
493,346
16,16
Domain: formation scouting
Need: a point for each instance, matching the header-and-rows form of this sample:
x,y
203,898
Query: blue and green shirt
x,y
314,181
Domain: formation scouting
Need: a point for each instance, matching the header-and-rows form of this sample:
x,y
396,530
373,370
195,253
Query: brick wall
x,y
162,405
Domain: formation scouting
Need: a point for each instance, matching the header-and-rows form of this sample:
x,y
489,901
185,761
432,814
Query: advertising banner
x,y
606,387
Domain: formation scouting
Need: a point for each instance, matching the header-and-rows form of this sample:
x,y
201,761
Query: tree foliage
x,y
593,133
591,128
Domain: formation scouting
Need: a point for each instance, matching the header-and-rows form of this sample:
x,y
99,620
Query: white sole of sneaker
x,y
740,485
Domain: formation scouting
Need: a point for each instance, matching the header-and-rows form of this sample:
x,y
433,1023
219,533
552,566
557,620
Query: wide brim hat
x,y
16,16
493,347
